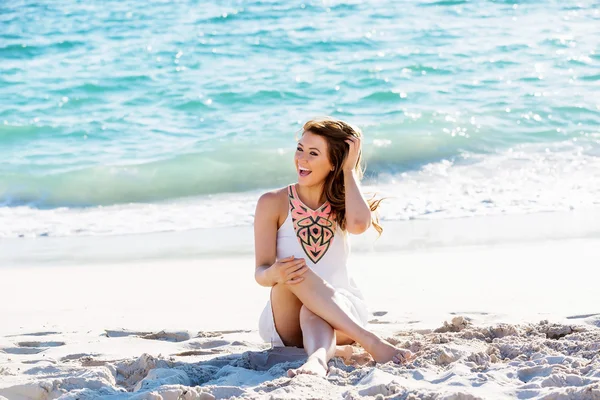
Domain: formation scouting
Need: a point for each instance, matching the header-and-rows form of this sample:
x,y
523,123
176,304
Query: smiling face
x,y
312,159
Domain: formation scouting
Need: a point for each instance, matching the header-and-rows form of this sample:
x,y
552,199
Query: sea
x,y
141,117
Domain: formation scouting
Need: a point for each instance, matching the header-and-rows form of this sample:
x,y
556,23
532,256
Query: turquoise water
x,y
166,116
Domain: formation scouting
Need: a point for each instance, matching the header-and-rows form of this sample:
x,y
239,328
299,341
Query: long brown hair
x,y
335,132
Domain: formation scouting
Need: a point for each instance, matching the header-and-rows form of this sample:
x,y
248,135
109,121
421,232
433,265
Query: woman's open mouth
x,y
303,171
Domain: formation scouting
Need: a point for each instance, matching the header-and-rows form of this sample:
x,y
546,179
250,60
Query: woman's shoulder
x,y
273,206
274,199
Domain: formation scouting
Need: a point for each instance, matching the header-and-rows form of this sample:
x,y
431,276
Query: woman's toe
x,y
403,356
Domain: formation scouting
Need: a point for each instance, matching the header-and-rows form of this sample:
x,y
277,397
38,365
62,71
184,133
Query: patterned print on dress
x,y
313,228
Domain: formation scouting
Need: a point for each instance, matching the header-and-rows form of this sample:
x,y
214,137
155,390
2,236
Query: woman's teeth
x,y
303,171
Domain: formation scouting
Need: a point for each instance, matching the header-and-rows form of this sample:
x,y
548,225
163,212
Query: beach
x,y
136,138
501,320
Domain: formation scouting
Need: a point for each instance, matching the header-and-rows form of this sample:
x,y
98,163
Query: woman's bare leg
x,y
320,298
297,325
286,313
319,343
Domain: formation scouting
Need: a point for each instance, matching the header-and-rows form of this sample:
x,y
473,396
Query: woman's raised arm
x,y
358,213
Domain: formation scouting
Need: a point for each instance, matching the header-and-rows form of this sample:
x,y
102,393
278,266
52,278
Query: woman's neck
x,y
312,196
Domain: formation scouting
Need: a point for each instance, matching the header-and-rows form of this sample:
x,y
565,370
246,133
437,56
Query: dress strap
x,y
290,191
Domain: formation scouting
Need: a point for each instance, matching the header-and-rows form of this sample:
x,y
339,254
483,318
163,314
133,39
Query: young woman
x,y
301,242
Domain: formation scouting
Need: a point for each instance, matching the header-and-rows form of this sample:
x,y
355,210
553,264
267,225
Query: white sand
x,y
523,321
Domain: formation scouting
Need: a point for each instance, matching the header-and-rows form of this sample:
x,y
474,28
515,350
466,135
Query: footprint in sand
x,y
116,333
36,334
526,374
168,336
43,360
40,344
209,344
583,316
218,333
378,322
31,347
198,353
21,350
79,356
470,313
381,390
204,348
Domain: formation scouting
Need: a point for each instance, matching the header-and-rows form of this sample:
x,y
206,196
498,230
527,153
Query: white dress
x,y
311,235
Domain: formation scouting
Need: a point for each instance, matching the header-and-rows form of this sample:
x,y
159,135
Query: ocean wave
x,y
261,96
590,78
443,3
385,96
528,178
12,133
24,51
238,168
101,86
210,172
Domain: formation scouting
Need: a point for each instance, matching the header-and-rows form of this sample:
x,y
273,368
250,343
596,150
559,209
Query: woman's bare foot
x,y
353,356
383,352
313,366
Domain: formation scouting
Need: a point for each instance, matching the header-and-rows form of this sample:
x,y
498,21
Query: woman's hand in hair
x,y
355,144
358,212
288,270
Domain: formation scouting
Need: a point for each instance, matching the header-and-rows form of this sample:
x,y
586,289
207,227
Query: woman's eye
x,y
298,149
313,154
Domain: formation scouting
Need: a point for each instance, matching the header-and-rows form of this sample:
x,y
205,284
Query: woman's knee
x,y
306,316
281,290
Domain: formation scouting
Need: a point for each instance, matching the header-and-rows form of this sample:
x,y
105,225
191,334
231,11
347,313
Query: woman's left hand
x,y
355,148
